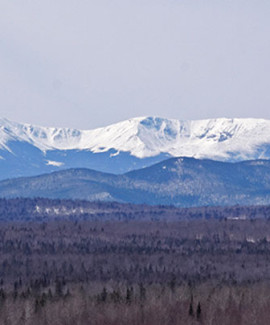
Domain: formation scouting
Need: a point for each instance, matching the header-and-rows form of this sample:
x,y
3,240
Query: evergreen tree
x,y
190,311
199,311
104,294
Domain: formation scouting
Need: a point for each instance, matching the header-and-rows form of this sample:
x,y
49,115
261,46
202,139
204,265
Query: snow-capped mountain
x,y
28,150
223,139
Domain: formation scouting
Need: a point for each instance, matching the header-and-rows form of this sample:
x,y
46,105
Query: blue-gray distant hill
x,y
176,181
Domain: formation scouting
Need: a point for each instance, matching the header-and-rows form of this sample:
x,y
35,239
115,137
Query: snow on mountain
x,y
221,139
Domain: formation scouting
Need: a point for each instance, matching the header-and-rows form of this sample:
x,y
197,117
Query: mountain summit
x,y
29,150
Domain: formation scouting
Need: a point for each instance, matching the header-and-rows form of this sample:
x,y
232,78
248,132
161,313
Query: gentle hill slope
x,y
177,181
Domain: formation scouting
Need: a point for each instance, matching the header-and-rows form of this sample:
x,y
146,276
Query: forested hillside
x,y
183,182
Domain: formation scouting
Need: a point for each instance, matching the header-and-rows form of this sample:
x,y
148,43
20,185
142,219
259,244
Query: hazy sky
x,y
88,63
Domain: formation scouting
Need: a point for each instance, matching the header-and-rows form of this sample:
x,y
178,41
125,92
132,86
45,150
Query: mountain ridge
x,y
177,181
27,150
141,136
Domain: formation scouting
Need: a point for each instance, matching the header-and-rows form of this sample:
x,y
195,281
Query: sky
x,y
89,63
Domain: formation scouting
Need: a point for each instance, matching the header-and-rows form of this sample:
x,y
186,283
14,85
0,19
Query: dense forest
x,y
40,209
75,262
